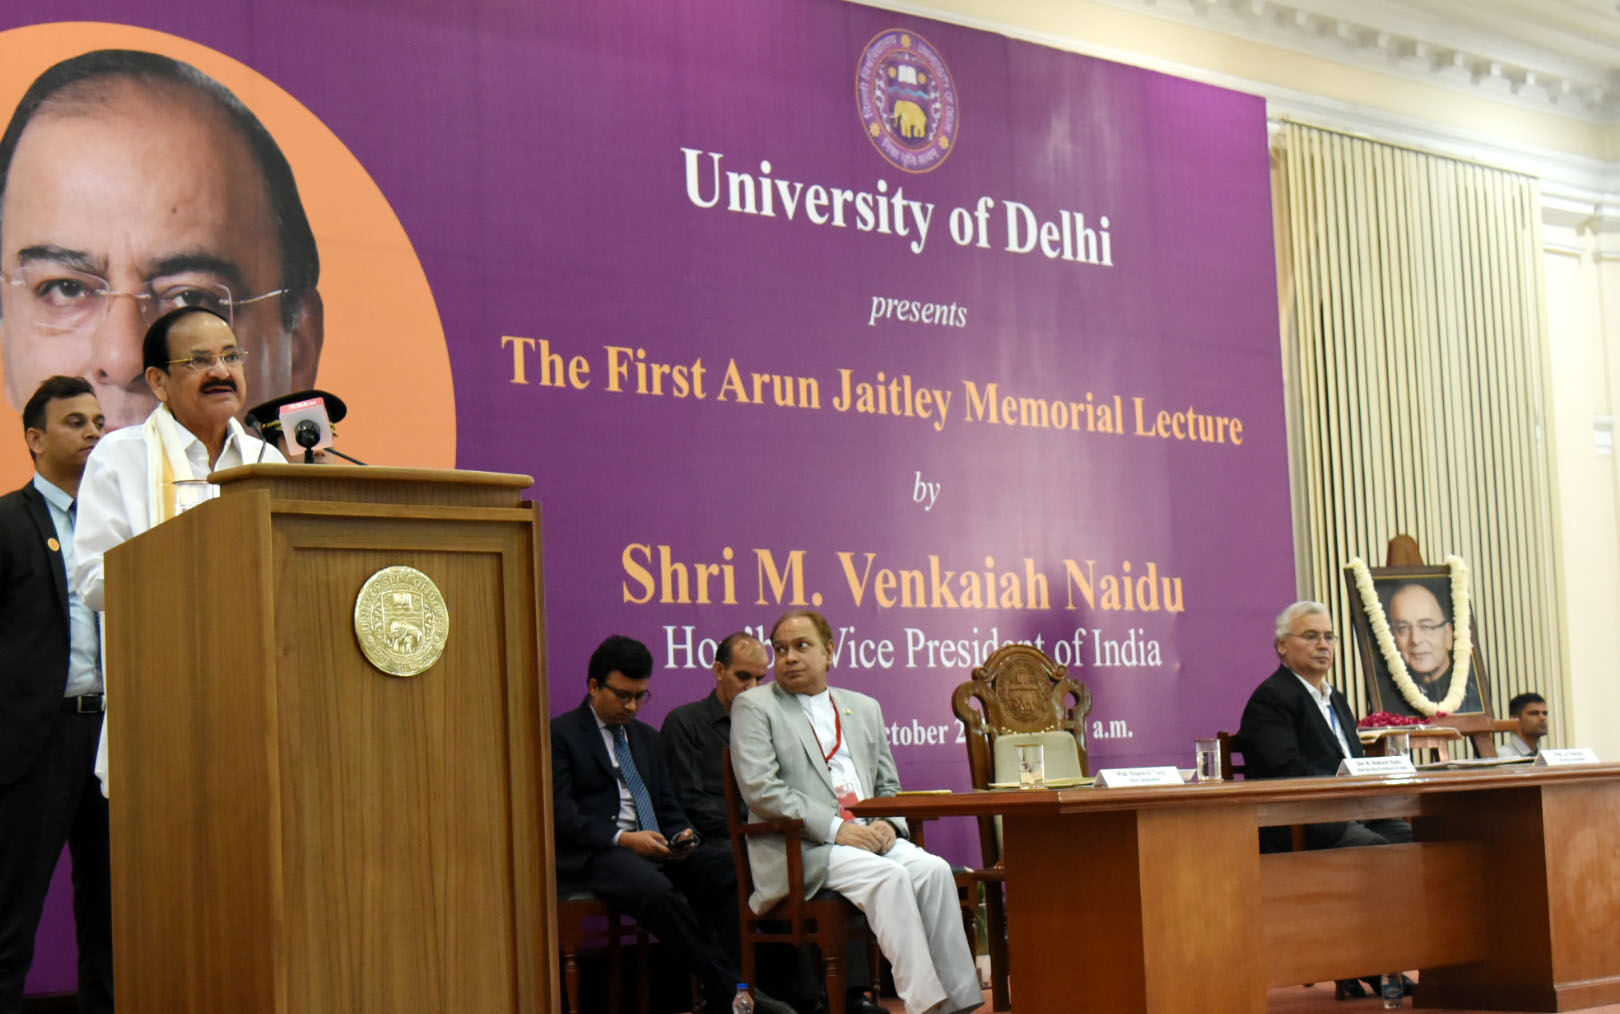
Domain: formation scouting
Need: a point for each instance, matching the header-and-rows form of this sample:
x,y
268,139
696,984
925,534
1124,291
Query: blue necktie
x,y
646,816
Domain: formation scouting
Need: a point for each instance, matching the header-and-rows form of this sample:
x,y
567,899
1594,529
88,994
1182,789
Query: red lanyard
x,y
838,724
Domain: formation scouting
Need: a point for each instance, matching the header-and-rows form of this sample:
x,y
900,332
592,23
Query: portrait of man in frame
x,y
1419,609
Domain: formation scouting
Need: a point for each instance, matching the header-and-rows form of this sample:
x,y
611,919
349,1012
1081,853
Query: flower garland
x,y
1462,646
1388,720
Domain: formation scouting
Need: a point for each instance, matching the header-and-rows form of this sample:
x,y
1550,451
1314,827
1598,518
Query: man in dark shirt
x,y
695,734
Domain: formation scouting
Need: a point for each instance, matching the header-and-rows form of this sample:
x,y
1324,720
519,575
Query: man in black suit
x,y
621,833
50,703
1298,725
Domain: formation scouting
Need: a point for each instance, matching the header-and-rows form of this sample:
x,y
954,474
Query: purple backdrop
x,y
563,171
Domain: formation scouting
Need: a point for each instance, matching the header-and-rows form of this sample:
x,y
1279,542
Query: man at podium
x,y
141,476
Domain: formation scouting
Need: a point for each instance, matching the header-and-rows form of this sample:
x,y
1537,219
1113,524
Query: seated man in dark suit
x,y
1298,725
621,833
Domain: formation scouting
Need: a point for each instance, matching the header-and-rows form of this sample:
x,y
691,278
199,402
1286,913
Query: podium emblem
x,y
401,621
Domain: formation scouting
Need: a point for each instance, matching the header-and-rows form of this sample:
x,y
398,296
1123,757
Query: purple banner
x,y
957,339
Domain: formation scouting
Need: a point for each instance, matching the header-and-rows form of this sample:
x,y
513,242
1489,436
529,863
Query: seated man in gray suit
x,y
801,750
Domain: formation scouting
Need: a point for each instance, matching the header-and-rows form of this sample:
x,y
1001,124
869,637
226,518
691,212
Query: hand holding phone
x,y
684,842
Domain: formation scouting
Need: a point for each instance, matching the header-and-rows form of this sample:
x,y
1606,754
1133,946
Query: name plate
x,y
1400,764
1558,758
1119,778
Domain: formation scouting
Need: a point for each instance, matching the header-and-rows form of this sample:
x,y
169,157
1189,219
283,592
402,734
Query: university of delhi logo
x,y
906,100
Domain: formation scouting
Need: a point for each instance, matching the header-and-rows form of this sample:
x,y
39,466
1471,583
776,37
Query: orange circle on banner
x,y
384,352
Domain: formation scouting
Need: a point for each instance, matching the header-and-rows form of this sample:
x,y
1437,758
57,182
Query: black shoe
x,y
860,1003
1348,989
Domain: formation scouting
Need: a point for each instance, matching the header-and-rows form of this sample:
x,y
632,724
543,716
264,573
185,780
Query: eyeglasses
x,y
1427,628
60,299
1316,636
628,696
204,361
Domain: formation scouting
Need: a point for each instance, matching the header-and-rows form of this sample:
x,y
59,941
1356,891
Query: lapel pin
x,y
56,547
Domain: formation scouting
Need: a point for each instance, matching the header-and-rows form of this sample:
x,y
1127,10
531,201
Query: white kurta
x,y
113,507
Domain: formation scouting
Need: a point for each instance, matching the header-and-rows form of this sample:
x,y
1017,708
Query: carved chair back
x,y
1020,695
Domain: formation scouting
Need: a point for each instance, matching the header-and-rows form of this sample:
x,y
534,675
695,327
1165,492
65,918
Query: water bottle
x,y
743,1002
1390,988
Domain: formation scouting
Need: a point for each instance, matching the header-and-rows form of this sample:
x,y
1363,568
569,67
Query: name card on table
x,y
1557,758
1399,764
1120,778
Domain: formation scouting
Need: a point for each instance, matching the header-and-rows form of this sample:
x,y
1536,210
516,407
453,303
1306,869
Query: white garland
x,y
1462,645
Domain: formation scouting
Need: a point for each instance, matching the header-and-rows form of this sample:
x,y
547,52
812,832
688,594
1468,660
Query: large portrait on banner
x,y
140,171
1415,631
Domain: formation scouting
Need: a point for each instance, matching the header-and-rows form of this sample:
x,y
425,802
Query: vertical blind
x,y
1414,340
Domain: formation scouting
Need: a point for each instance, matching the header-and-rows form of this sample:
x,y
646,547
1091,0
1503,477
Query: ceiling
x,y
1557,55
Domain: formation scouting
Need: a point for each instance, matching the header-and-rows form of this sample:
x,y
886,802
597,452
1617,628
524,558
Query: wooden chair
x,y
828,920
1234,769
1022,697
584,922
1230,765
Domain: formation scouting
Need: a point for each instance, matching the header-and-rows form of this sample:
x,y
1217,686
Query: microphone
x,y
257,428
308,434
307,416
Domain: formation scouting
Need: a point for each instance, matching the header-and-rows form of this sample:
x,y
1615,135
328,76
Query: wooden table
x,y
1435,738
1158,900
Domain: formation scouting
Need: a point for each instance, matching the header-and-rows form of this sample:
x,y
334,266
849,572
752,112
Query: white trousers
x,y
909,898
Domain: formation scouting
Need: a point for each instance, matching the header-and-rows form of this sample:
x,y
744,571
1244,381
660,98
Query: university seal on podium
x,y
401,621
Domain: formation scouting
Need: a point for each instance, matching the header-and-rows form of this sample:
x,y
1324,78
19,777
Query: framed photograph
x,y
1418,610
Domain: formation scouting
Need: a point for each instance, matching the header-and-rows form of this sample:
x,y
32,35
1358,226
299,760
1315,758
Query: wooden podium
x,y
293,830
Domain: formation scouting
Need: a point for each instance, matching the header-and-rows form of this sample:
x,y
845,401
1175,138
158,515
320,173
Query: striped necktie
x,y
646,816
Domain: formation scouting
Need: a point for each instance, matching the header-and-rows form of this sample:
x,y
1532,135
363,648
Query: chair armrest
x,y
782,826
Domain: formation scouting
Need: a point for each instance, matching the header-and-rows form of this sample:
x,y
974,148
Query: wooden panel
x,y
1189,902
192,783
1159,901
397,792
1317,811
1551,856
1072,890
354,484
1582,886
1364,895
1508,824
1146,910
294,830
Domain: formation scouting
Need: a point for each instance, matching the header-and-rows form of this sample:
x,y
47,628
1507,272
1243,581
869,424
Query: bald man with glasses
x,y
132,184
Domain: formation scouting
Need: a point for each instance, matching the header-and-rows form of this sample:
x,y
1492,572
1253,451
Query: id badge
x,y
847,797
